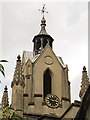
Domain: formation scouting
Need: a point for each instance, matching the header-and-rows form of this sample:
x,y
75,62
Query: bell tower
x,y
43,38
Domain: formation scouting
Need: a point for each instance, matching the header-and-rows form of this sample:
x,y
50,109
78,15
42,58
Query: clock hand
x,y
53,100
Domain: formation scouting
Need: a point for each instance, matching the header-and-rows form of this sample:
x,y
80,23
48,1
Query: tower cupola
x,y
43,38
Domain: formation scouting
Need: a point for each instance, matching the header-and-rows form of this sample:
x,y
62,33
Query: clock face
x,y
52,100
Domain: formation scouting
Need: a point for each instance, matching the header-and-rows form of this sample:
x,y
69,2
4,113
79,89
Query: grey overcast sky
x,y
66,22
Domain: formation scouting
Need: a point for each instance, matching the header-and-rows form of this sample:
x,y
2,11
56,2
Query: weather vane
x,y
43,10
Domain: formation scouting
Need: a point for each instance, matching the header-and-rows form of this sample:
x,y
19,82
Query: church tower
x,y
40,85
45,74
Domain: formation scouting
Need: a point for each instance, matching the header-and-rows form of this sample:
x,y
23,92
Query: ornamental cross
x,y
43,10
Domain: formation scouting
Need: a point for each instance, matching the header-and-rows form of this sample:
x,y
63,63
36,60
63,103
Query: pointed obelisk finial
x,y
5,89
18,58
84,83
5,99
84,69
18,78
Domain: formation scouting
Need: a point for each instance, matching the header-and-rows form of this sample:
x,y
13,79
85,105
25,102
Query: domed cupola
x,y
42,39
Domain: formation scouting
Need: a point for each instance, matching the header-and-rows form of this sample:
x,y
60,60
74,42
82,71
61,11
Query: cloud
x,y
21,22
74,11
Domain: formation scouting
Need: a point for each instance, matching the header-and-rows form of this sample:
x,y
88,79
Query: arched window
x,y
47,83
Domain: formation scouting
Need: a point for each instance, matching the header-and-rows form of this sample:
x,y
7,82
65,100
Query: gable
x,y
49,57
48,61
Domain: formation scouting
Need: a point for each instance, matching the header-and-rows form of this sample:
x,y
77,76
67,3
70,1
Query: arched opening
x,y
47,83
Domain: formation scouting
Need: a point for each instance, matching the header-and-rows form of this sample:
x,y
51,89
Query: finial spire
x,y
18,77
84,83
5,89
84,69
18,58
5,99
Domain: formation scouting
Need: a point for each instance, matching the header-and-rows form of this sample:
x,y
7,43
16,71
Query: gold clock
x,y
52,101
